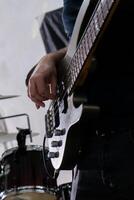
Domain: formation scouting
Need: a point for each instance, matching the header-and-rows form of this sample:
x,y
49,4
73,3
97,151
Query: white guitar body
x,y
71,117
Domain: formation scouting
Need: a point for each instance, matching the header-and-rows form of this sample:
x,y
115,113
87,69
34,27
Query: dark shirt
x,y
70,11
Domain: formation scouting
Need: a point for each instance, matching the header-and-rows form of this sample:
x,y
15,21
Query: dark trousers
x,y
106,167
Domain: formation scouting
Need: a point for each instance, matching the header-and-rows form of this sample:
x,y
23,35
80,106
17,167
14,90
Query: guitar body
x,y
71,123
67,150
67,116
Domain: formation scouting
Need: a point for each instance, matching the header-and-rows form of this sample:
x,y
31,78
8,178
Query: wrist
x,y
58,55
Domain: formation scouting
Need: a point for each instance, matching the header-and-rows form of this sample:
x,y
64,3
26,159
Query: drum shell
x,y
23,171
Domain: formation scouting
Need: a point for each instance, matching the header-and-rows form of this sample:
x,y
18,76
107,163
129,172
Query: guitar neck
x,y
98,22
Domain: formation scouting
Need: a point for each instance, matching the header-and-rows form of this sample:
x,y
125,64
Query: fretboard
x,y
93,29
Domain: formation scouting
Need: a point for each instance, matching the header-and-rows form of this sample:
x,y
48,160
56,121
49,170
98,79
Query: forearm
x,y
60,53
57,55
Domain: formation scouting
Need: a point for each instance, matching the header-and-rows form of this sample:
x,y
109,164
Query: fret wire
x,y
79,64
79,60
92,32
76,69
75,66
79,57
82,52
71,76
93,29
101,20
106,8
89,41
100,24
89,38
101,4
91,35
73,73
76,58
98,19
86,45
96,24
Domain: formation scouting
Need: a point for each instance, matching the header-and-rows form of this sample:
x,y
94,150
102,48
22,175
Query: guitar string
x,y
95,26
86,51
64,94
78,54
55,104
67,80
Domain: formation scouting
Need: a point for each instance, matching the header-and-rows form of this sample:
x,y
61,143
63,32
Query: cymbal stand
x,y
21,115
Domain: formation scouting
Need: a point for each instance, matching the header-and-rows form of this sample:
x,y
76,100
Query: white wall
x,y
21,47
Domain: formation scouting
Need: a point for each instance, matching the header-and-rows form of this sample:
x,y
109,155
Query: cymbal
x,y
4,137
7,96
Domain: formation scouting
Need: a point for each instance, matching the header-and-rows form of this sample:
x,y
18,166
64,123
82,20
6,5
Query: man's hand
x,y
43,81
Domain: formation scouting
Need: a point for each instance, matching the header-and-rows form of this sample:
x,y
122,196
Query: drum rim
x,y
27,189
28,148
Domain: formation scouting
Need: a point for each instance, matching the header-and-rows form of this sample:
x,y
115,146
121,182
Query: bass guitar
x,y
66,115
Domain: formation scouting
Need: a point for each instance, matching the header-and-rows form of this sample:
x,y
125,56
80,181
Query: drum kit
x,y
23,175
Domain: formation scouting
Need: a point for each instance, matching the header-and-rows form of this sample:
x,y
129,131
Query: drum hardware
x,y
21,138
28,122
2,97
8,137
64,191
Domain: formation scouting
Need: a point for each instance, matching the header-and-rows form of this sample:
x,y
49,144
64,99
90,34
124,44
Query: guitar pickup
x,y
53,154
56,143
59,132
